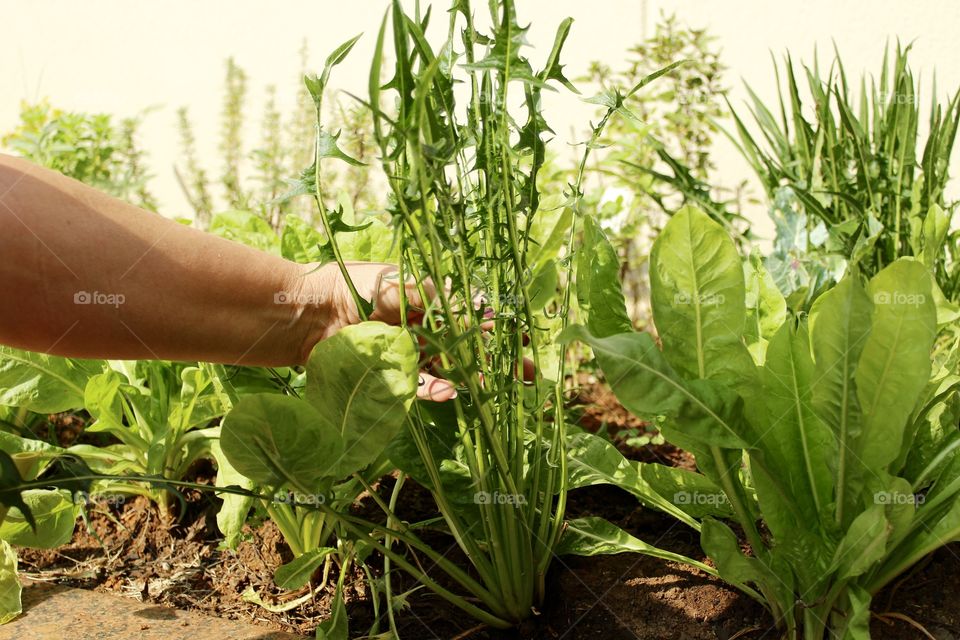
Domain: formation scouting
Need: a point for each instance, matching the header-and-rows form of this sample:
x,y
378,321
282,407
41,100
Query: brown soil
x,y
596,409
133,550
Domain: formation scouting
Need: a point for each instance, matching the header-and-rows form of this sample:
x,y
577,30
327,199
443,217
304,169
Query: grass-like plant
x,y
849,175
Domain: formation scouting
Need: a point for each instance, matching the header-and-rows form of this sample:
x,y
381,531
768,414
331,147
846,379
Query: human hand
x,y
379,283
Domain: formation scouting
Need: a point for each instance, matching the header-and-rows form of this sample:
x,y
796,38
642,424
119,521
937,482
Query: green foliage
x,y
92,148
159,411
824,422
856,185
42,383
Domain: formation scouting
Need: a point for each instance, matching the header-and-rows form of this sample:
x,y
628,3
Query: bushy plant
x,y
92,148
830,438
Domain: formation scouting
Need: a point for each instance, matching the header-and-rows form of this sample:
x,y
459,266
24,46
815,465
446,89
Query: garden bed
x,y
133,550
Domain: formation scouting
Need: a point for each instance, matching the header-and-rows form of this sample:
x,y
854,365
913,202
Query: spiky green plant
x,y
857,182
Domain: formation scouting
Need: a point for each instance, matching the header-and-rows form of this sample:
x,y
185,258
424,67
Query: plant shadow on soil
x,y
133,550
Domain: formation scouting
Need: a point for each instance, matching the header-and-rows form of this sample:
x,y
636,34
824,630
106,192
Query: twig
x,y
885,617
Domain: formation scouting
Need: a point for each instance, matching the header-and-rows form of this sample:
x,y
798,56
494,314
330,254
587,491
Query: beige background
x,y
121,56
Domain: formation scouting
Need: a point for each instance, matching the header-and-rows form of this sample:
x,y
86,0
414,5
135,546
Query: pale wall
x,y
122,56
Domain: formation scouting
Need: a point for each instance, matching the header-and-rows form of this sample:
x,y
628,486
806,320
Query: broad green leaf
x,y
697,293
55,513
592,536
647,386
363,381
766,308
550,231
900,509
297,572
199,404
444,445
281,441
233,512
42,383
375,242
103,399
936,224
247,228
30,456
895,364
691,492
794,442
10,588
598,284
593,460
721,544
839,330
856,624
542,286
863,545
299,241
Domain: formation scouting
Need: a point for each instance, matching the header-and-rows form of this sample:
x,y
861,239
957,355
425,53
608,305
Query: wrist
x,y
309,291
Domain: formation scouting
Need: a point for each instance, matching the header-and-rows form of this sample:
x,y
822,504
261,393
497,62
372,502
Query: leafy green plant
x,y
834,446
856,186
38,517
159,412
92,148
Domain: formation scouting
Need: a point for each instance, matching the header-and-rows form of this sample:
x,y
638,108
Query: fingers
x,y
435,389
529,372
384,290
